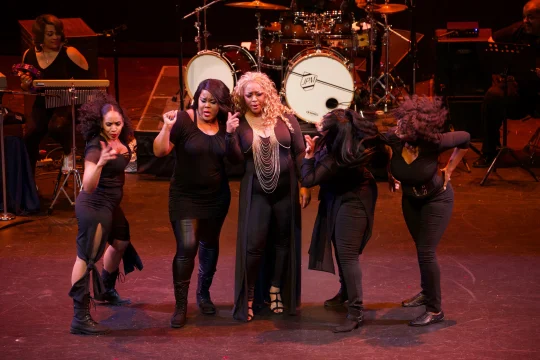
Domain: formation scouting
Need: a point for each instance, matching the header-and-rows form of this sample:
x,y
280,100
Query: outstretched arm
x,y
162,143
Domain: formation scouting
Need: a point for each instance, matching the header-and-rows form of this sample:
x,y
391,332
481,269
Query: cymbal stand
x,y
259,40
385,79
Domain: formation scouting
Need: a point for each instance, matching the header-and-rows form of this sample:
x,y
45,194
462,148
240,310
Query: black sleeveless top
x,y
62,67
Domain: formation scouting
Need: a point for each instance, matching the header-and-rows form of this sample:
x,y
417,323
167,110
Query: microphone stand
x,y
412,6
113,33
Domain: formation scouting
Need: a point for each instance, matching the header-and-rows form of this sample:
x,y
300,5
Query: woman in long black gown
x,y
199,194
101,220
427,195
268,140
348,194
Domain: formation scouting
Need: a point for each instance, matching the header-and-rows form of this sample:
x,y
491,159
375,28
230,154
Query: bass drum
x,y
227,64
318,81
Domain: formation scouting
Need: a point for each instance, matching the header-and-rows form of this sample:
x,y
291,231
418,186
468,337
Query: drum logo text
x,y
308,81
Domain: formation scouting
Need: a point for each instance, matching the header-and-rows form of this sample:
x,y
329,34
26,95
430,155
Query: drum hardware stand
x,y
259,40
388,97
113,33
412,9
206,34
77,182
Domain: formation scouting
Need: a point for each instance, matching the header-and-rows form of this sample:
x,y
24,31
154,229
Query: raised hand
x,y
107,154
232,122
169,118
310,146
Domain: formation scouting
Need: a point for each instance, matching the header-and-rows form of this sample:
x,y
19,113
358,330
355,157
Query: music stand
x,y
507,60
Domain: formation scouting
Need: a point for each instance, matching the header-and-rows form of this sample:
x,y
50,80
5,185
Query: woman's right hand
x,y
310,146
393,184
26,81
169,118
232,122
107,154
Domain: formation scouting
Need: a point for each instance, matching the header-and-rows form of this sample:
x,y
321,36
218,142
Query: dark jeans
x,y
192,235
351,224
519,103
427,219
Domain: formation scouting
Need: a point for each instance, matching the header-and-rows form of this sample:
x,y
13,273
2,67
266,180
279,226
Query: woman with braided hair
x,y
427,194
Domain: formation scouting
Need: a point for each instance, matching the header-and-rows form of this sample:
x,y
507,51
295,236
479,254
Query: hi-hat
x,y
257,5
390,8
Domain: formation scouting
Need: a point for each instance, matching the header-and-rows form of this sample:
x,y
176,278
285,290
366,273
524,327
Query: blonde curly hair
x,y
272,109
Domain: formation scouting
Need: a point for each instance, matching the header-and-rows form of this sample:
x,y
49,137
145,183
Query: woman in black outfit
x,y
54,60
428,197
348,194
268,140
101,220
199,194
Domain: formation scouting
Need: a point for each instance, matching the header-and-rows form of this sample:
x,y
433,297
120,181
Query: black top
x,y
199,184
293,141
62,67
323,170
113,172
423,169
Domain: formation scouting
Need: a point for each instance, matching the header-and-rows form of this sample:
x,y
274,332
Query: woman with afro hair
x,y
427,195
106,129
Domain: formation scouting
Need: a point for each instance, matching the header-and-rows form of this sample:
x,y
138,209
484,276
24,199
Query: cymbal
x,y
257,5
390,8
274,26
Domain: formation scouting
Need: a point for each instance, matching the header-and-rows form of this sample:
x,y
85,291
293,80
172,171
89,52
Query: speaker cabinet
x,y
459,71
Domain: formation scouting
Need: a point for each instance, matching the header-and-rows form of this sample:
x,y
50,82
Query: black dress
x,y
291,152
57,120
102,207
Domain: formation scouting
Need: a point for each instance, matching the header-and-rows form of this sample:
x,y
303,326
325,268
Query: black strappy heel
x,y
277,302
250,317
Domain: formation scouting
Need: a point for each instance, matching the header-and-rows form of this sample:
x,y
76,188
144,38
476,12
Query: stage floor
x,y
489,259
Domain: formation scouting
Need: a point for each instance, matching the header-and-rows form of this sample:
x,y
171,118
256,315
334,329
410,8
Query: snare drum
x,y
318,81
226,64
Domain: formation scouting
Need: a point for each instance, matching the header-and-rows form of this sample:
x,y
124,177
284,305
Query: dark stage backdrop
x,y
153,26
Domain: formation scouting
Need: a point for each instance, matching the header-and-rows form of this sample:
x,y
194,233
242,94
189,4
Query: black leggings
x,y
350,227
268,211
189,234
427,219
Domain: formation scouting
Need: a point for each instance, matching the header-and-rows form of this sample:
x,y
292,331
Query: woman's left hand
x,y
446,177
310,146
305,197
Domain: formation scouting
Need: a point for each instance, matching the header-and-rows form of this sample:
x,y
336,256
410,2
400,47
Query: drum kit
x,y
311,57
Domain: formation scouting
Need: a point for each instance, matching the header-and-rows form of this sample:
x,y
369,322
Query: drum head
x,y
207,65
318,82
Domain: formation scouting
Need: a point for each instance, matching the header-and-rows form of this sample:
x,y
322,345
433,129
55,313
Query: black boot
x,y
338,300
203,295
181,288
82,322
353,321
110,296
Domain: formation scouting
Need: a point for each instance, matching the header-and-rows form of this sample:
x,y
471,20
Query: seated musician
x,y
523,93
55,60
